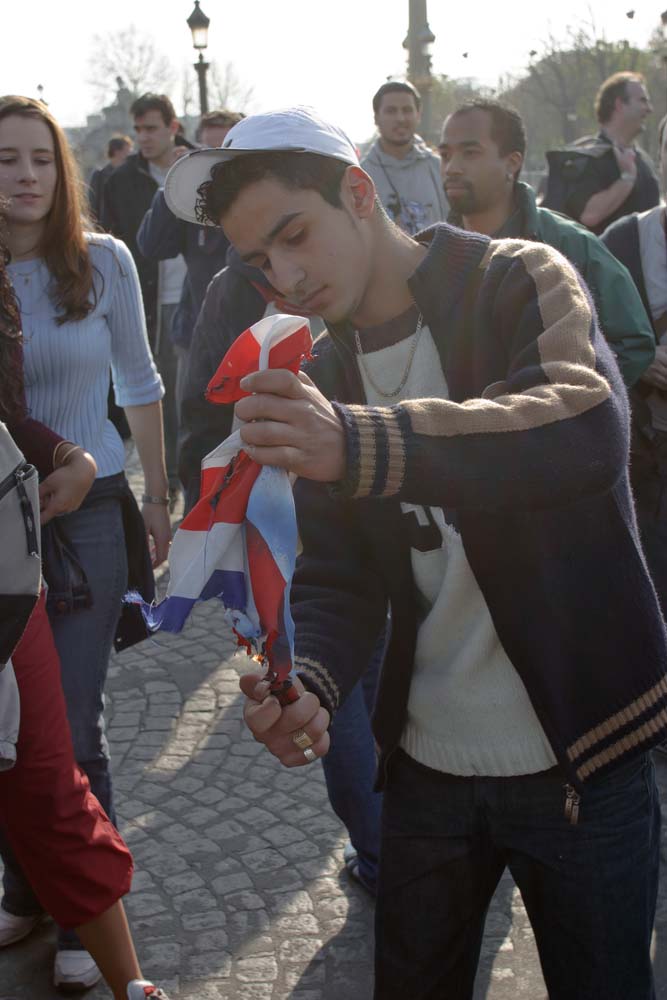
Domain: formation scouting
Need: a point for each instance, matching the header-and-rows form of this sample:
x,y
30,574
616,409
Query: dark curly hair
x,y
12,401
293,169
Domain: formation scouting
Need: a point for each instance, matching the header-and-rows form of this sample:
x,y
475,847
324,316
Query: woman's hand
x,y
146,426
65,489
158,531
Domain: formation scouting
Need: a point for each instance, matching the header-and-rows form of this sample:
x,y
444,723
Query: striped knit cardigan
x,y
530,452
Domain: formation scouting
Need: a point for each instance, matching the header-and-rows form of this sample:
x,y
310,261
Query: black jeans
x,y
590,889
649,486
166,359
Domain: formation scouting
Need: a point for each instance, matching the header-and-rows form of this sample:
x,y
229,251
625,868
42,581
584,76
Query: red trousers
x,y
75,860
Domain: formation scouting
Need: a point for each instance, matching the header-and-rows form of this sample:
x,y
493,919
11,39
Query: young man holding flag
x,y
461,447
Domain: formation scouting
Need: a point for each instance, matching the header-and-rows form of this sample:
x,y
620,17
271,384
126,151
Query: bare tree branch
x,y
227,89
130,54
556,95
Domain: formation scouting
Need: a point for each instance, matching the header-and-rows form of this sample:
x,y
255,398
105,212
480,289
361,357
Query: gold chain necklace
x,y
391,394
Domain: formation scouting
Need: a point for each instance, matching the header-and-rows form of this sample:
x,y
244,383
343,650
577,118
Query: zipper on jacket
x,y
572,803
20,475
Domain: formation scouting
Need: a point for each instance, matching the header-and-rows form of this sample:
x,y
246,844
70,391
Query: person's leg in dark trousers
x,y
649,487
166,360
438,872
350,768
590,890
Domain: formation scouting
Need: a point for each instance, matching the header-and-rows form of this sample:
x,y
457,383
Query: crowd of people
x,y
482,577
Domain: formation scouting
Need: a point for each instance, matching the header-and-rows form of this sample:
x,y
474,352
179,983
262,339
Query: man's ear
x,y
515,163
173,126
360,191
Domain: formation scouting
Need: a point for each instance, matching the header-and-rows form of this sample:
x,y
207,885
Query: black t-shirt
x,y
601,174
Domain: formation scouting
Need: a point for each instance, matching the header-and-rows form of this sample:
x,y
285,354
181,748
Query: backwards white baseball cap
x,y
293,130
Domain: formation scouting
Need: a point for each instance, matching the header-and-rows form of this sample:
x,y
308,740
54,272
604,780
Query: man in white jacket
x,y
405,171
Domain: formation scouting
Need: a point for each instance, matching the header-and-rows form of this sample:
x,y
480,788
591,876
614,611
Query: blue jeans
x,y
350,767
590,889
84,642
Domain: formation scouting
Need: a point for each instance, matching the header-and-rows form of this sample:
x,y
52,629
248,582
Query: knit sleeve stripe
x,y
381,456
564,353
397,459
644,705
537,407
368,463
312,670
567,315
646,733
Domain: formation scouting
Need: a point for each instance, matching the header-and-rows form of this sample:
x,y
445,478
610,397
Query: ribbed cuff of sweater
x,y
375,439
316,678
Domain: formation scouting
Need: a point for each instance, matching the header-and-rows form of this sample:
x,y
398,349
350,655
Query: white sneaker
x,y
75,971
15,928
141,989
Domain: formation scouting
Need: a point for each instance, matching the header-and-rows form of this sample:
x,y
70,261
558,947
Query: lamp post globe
x,y
198,24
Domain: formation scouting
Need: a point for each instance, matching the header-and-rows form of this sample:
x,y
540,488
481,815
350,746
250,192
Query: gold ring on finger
x,y
302,739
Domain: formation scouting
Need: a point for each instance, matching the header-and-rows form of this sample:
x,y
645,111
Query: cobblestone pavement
x,y
239,892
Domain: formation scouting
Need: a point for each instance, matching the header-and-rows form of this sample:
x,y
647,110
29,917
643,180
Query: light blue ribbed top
x,y
67,367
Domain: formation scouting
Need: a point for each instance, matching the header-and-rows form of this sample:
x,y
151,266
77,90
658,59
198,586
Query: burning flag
x,y
239,542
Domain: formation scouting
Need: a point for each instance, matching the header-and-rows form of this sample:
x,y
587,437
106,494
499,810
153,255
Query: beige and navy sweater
x,y
468,711
529,456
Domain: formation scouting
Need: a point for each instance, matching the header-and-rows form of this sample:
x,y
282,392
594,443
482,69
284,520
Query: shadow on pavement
x,y
240,892
343,967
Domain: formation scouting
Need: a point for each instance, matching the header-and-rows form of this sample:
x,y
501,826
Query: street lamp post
x,y
418,43
198,24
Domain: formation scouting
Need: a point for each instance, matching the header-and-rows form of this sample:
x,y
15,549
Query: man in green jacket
x,y
482,150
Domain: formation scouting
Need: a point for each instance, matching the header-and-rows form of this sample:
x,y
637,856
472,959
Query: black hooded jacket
x,y
127,196
235,299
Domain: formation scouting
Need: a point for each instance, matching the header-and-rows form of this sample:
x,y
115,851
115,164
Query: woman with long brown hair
x,y
75,859
81,315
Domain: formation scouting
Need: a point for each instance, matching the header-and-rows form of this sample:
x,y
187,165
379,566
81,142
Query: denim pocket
x,y
624,794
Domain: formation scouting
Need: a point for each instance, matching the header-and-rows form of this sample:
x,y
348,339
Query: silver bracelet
x,y
163,501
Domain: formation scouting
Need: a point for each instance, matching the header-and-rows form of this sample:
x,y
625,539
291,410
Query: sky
x,y
331,55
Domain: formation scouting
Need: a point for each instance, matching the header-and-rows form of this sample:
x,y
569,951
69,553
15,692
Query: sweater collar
x,y
440,279
436,285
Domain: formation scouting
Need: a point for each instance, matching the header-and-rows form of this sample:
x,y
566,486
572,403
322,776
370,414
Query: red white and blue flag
x,y
239,543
